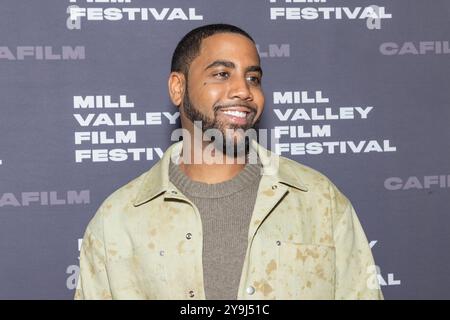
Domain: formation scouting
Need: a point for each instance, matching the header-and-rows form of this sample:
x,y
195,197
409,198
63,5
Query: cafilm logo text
x,y
48,53
274,50
44,198
417,182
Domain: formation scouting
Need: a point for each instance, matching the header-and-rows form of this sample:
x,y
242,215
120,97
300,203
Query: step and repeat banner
x,y
358,90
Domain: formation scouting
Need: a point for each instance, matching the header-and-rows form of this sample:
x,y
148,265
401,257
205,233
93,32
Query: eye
x,y
222,75
254,80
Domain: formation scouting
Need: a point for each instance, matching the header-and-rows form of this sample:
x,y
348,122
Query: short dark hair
x,y
189,46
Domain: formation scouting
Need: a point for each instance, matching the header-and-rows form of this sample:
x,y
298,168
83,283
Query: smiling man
x,y
219,216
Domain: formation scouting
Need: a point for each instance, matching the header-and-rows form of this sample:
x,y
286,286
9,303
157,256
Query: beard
x,y
232,140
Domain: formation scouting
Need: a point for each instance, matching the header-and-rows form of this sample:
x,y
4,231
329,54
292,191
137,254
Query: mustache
x,y
245,104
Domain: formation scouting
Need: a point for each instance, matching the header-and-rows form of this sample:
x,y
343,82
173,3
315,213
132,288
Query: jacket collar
x,y
156,180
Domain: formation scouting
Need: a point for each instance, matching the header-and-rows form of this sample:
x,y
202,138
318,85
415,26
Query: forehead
x,y
227,46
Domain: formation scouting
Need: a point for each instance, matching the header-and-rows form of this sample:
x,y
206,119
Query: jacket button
x,y
278,243
188,236
250,290
161,253
274,187
191,294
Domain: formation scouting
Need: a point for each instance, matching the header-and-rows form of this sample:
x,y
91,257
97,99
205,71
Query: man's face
x,y
224,84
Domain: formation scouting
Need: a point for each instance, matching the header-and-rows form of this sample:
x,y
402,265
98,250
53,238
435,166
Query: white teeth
x,y
236,113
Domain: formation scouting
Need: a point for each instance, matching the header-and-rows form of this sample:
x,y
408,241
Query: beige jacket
x,y
304,240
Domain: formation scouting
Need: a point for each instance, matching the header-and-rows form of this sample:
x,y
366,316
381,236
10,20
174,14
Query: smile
x,y
238,114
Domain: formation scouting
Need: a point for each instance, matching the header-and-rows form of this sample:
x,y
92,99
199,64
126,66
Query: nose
x,y
239,88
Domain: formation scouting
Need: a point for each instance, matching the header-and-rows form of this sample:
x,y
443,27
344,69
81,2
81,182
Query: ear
x,y
176,85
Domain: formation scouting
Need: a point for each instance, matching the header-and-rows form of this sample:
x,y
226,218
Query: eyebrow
x,y
231,65
254,69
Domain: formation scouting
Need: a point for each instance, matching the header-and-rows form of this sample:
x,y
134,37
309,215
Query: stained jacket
x,y
304,241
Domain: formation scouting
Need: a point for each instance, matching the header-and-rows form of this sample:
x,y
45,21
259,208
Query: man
x,y
210,221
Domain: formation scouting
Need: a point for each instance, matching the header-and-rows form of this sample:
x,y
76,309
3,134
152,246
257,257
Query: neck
x,y
209,165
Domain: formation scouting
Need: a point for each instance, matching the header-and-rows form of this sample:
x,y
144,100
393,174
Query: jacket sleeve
x,y
356,276
93,279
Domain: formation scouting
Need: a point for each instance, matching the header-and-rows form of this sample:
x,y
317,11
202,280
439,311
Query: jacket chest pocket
x,y
305,271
